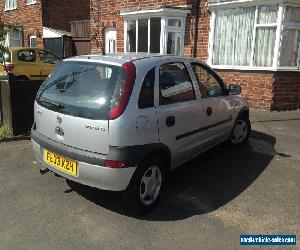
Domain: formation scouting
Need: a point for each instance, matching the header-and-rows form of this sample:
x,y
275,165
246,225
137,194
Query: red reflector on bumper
x,y
114,164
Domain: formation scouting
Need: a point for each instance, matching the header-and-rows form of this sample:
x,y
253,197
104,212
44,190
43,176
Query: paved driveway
x,y
220,195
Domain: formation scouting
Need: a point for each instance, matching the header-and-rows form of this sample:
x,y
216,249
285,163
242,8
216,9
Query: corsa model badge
x,y
59,120
59,131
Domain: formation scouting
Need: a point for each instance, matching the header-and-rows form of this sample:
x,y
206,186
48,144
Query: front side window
x,y
10,4
208,85
26,56
47,57
175,84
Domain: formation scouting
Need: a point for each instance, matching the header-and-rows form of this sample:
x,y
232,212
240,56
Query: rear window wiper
x,y
51,105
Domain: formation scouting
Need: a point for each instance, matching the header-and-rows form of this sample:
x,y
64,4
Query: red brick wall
x,y
58,14
27,16
267,90
105,13
263,89
286,91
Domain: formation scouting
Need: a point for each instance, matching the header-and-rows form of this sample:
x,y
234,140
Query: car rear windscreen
x,y
80,89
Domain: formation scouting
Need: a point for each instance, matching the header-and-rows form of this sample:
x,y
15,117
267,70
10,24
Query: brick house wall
x,y
29,17
55,14
58,14
106,14
263,89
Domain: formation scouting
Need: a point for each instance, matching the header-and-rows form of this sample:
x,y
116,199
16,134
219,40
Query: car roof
x,y
122,58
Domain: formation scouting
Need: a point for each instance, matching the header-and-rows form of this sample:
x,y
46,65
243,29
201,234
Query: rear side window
x,y
146,98
175,84
26,56
80,89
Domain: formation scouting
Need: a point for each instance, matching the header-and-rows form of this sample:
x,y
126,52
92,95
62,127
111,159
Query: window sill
x,y
246,68
10,9
30,3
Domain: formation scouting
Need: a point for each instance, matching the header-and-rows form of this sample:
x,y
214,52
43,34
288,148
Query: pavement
x,y
252,189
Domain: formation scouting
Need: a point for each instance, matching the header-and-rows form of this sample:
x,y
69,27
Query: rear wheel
x,y
145,187
241,131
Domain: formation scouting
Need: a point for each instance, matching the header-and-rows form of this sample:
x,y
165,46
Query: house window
x,y
14,39
290,51
110,40
143,35
31,1
155,31
265,36
32,41
10,4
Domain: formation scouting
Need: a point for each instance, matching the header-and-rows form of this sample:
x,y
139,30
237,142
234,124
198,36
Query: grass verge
x,y
5,131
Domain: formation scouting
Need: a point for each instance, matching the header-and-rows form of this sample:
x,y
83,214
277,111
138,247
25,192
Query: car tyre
x,y
241,131
146,186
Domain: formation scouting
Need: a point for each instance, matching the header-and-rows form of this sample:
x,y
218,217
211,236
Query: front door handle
x,y
208,111
170,121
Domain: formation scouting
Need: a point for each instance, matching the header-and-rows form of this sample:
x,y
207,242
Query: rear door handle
x,y
170,121
208,111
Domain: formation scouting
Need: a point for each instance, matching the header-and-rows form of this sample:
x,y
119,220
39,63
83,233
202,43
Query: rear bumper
x,y
90,174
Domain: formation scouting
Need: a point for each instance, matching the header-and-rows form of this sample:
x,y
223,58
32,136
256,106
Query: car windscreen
x,y
80,89
6,58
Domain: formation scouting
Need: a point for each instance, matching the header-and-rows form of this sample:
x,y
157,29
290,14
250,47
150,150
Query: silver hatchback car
x,y
122,122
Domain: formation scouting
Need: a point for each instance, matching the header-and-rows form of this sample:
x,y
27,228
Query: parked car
x,y
123,122
29,63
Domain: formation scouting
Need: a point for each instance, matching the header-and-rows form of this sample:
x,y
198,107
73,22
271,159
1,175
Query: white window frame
x,y
278,40
10,5
8,38
288,26
164,14
31,37
30,2
110,39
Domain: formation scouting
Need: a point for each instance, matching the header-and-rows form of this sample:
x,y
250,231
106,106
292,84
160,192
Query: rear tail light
x,y
122,90
114,164
8,67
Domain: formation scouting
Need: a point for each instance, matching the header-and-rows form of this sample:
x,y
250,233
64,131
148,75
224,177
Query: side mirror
x,y
234,89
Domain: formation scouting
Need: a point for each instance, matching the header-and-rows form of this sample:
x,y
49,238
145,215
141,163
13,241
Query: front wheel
x,y
241,131
145,187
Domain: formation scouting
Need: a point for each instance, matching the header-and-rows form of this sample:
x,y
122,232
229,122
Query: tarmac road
x,y
254,189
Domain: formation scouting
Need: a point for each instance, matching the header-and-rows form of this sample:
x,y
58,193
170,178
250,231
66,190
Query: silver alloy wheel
x,y
150,185
239,132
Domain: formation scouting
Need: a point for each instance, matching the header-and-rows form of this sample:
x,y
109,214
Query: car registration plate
x,y
60,162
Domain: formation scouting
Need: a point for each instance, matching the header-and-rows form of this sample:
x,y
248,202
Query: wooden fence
x,y
16,104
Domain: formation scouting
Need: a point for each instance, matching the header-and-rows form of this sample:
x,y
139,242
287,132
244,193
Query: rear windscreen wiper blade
x,y
51,105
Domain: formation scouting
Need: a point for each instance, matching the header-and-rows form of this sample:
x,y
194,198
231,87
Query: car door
x,y
179,112
49,61
216,103
27,64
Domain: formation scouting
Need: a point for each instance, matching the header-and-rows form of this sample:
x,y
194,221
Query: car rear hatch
x,y
73,105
